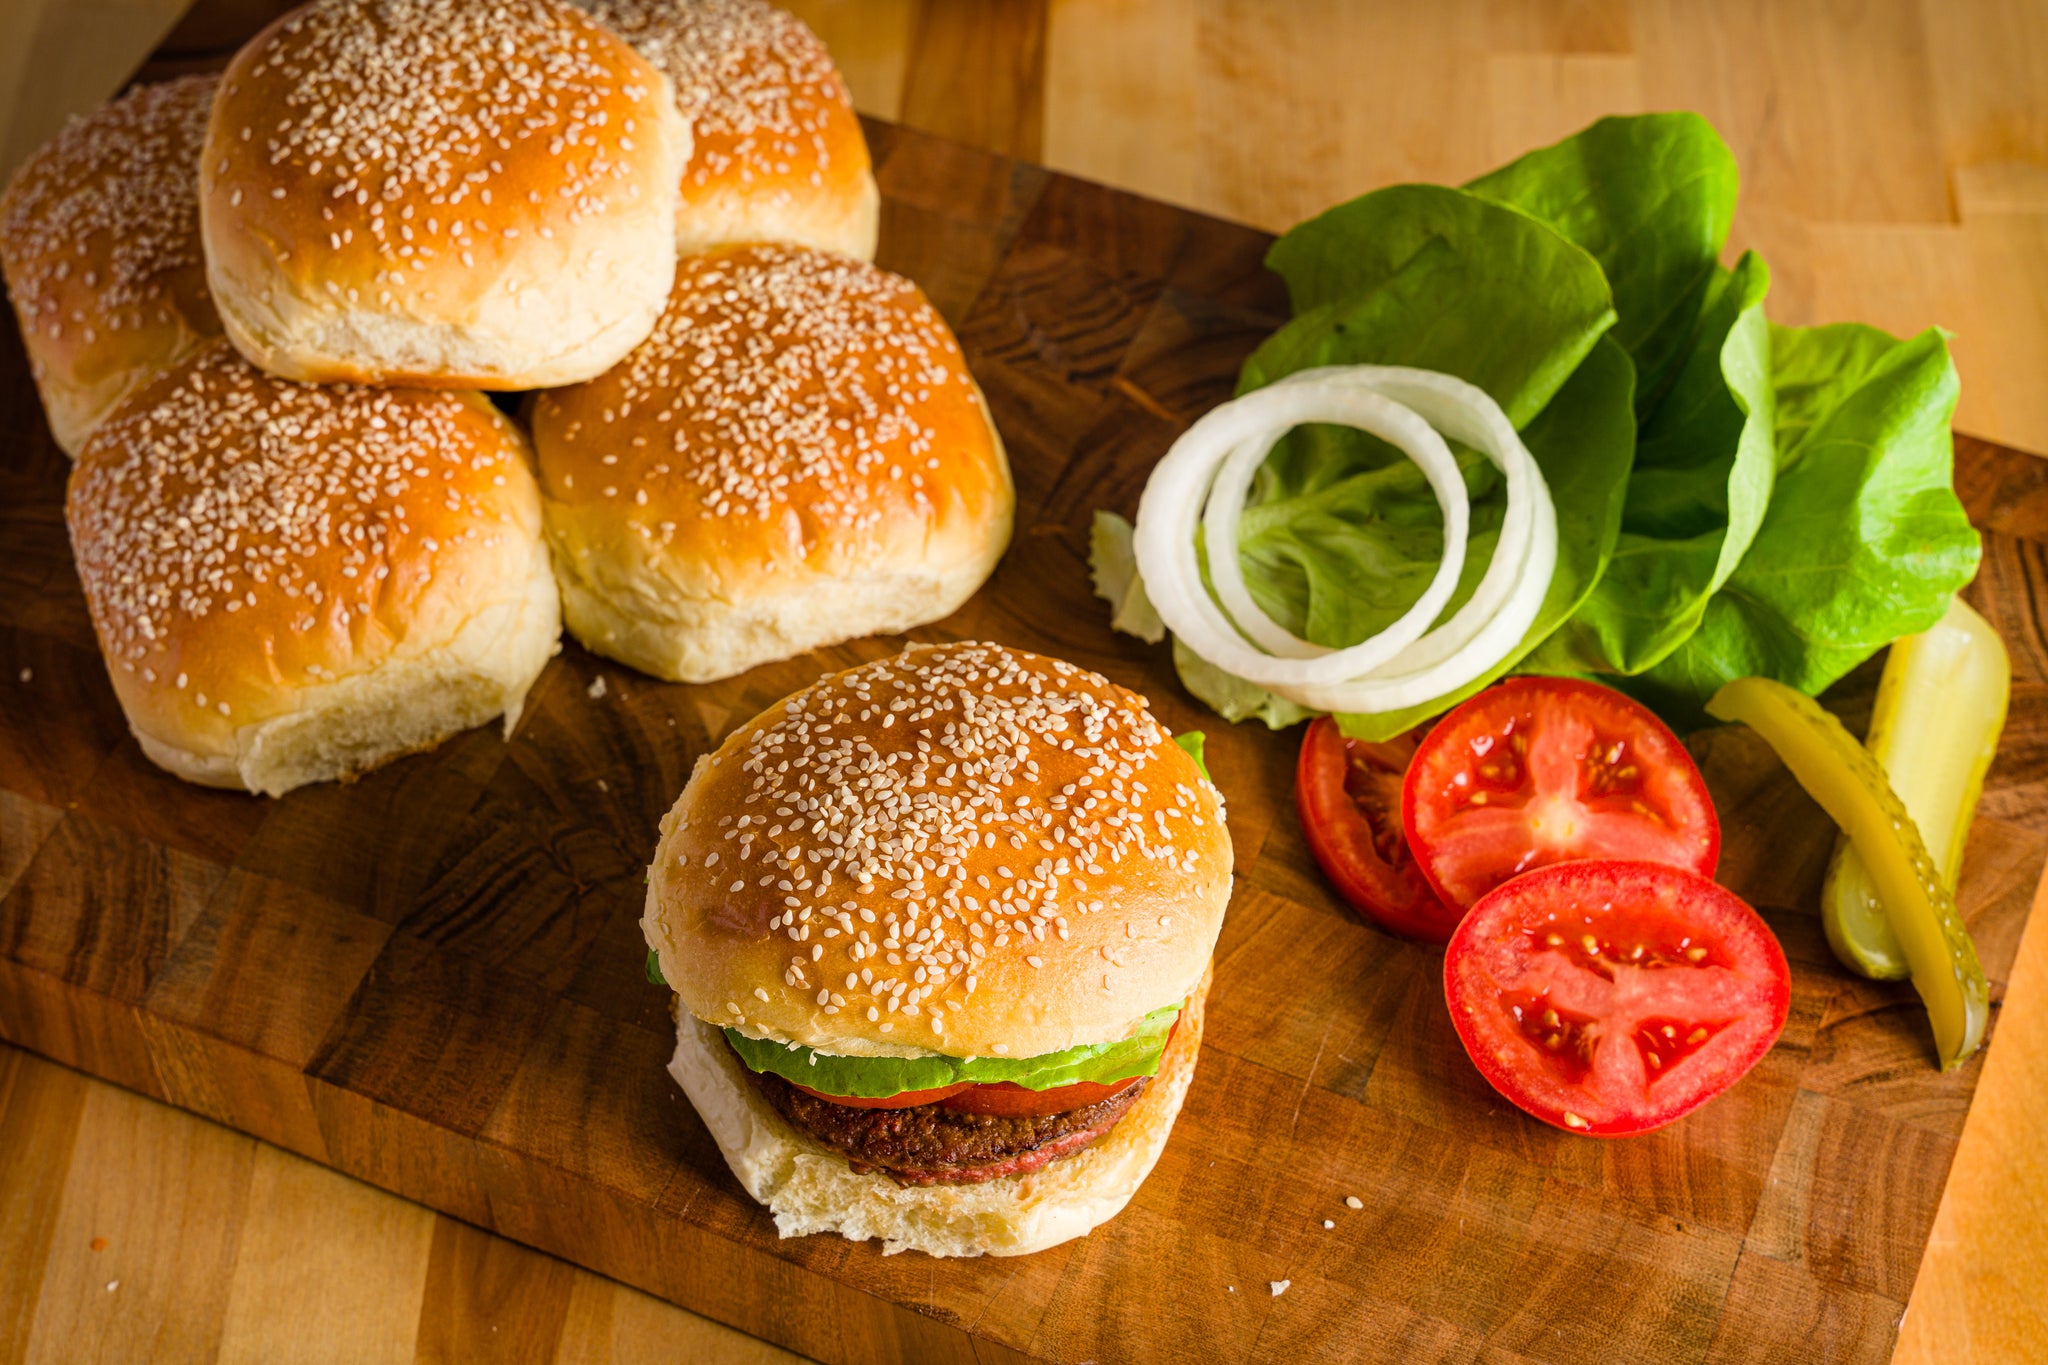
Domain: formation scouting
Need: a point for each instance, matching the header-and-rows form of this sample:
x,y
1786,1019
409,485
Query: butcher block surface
x,y
431,978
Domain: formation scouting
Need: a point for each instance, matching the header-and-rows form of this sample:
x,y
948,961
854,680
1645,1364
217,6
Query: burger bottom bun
x,y
810,1188
402,706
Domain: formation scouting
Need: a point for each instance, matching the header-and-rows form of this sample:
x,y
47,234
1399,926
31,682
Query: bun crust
x,y
441,193
810,1188
779,155
292,584
796,456
963,849
99,241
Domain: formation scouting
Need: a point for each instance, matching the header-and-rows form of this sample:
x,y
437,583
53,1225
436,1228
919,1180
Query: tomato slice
x,y
1010,1100
1542,770
1610,997
1349,795
906,1099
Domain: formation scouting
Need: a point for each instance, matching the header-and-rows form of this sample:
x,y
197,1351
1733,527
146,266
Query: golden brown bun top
x,y
767,106
963,849
782,387
388,139
240,536
99,231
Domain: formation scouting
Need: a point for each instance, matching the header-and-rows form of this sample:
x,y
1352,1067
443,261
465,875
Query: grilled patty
x,y
933,1145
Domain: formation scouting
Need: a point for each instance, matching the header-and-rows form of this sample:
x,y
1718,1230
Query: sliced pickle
x,y
1940,707
1841,775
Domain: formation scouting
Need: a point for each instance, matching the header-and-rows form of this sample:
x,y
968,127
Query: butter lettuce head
x,y
881,1077
1733,498
1341,533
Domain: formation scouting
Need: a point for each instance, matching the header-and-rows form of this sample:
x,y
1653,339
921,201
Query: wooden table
x,y
430,1284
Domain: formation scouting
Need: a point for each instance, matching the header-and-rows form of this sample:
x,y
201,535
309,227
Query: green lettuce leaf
x,y
1230,696
1864,541
1583,441
1341,533
1704,466
1651,197
1191,743
879,1077
1432,277
1113,565
653,968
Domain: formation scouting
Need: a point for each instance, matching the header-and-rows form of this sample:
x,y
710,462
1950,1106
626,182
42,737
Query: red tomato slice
x,y
907,1099
1349,795
1610,997
1543,770
1010,1100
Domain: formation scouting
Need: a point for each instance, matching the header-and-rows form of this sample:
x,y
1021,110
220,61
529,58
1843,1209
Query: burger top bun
x,y
779,153
99,241
440,192
963,849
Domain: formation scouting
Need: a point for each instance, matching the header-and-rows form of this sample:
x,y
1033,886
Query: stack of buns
x,y
313,545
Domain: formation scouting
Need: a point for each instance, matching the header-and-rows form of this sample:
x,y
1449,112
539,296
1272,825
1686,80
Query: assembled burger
x,y
939,928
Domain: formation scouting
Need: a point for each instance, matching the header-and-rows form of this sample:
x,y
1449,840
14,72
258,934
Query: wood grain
x,y
469,1026
1146,94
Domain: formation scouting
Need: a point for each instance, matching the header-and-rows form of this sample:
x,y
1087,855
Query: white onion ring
x,y
1238,435
1205,478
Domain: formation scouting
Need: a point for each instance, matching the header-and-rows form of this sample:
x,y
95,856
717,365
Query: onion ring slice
x,y
1234,439
1207,475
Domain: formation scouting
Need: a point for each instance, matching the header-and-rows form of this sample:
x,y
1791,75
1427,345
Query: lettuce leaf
x,y
1652,198
1341,533
1192,743
1704,466
1230,696
1433,277
1780,504
1113,565
1864,540
1583,441
879,1077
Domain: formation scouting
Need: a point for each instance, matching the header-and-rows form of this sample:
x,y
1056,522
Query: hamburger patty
x,y
933,1145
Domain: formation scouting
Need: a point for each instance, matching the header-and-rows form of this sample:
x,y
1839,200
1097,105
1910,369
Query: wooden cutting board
x,y
432,978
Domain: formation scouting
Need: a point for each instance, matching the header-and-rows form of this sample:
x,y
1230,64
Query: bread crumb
x,y
596,689
1279,1287
28,675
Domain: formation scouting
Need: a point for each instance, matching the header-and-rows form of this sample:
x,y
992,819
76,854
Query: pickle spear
x,y
1940,707
1841,775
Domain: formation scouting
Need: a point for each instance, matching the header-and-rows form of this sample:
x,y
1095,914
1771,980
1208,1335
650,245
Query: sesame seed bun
x,y
810,1188
779,155
293,583
796,456
99,241
964,849
440,192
